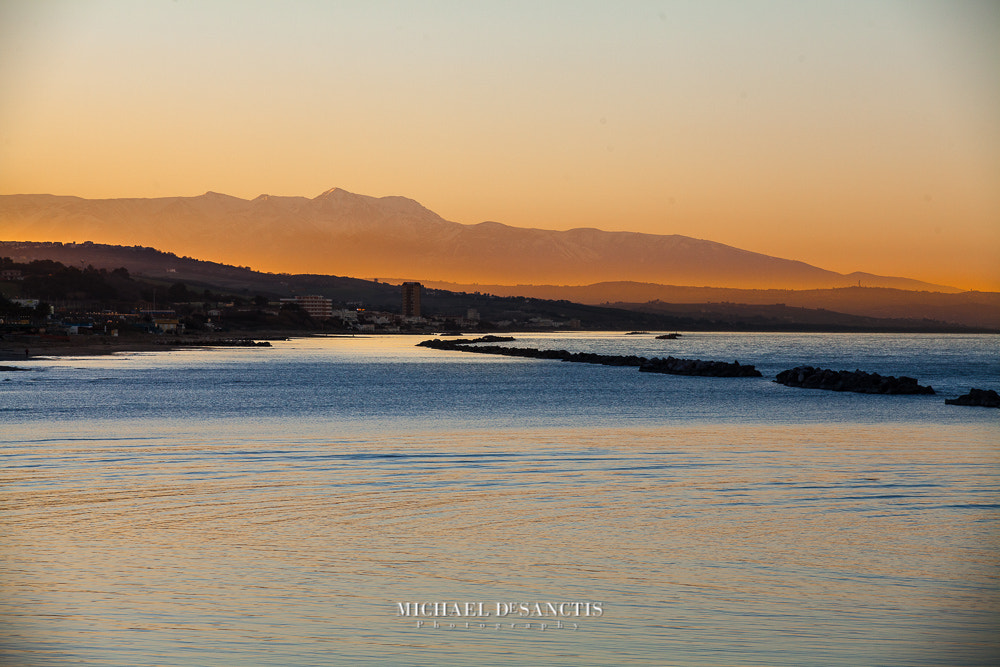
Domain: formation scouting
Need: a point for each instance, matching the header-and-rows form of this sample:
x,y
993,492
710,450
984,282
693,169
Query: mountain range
x,y
348,234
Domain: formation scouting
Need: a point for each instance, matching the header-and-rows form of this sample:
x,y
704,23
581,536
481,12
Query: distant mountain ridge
x,y
343,233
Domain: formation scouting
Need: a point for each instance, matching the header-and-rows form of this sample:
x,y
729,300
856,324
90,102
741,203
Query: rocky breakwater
x,y
718,369
655,365
984,398
488,338
860,382
216,342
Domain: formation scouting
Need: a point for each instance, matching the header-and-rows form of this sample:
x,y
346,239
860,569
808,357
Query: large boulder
x,y
985,398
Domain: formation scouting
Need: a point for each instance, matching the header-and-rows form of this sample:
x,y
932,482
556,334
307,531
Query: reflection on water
x,y
288,538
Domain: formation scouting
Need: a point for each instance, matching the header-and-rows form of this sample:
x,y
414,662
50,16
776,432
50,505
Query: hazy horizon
x,y
858,137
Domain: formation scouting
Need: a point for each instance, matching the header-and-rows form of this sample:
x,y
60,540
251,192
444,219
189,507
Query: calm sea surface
x,y
274,506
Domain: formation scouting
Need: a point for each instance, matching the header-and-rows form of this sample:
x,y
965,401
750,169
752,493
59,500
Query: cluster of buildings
x,y
321,308
353,317
359,319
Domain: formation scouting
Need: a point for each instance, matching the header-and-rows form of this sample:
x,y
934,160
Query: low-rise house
x,y
168,325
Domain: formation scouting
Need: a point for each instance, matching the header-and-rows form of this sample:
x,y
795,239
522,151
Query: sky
x,y
850,135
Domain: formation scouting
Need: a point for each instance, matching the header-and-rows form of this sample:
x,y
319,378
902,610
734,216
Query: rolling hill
x,y
871,308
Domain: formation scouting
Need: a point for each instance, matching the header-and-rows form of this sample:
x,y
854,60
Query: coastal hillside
x,y
342,233
973,308
693,309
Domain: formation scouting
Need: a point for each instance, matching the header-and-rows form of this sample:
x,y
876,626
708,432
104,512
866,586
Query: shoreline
x,y
48,347
26,350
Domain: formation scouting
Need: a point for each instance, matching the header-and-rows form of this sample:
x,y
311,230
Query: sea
x,y
342,500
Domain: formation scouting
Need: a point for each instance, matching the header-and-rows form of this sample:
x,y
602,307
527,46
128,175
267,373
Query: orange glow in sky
x,y
852,136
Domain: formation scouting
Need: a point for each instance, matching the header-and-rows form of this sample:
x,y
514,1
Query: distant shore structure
x,y
318,307
411,299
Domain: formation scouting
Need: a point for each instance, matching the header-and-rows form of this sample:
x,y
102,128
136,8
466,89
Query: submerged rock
x,y
984,398
809,377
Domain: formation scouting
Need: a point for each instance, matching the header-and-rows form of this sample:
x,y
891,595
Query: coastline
x,y
27,349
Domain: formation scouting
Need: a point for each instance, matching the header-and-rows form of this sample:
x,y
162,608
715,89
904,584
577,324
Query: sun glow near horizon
x,y
852,137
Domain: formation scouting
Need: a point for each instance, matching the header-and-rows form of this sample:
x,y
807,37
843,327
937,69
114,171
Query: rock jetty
x,y
488,338
985,398
718,369
669,365
809,377
217,342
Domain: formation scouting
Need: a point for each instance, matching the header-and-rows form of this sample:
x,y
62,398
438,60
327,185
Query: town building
x,y
411,299
168,325
346,314
318,307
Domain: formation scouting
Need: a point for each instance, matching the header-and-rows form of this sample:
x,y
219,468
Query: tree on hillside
x,y
178,293
294,314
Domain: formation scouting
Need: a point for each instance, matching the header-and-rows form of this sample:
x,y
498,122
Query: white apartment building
x,y
318,307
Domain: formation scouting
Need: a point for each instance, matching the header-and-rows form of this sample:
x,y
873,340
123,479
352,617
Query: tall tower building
x,y
411,299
